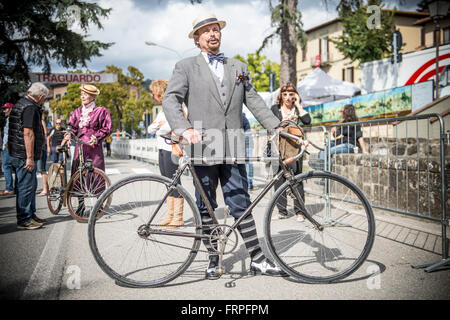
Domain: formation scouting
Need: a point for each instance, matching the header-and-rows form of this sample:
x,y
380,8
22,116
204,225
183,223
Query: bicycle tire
x,y
55,195
80,189
314,256
135,199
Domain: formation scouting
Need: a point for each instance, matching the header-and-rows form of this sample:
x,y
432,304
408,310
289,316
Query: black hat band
x,y
201,23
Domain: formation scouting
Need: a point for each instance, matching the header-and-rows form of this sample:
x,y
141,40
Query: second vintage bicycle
x,y
82,190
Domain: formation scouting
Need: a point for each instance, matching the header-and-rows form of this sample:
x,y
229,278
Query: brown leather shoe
x,y
7,193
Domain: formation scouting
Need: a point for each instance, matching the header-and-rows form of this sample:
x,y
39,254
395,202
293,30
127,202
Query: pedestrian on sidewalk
x,y
168,162
6,159
288,107
42,162
55,139
108,145
92,124
214,88
346,139
25,144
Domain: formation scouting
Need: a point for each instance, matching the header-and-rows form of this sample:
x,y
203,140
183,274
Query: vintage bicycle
x,y
133,248
85,185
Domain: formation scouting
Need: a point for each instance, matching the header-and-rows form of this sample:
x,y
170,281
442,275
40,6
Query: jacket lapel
x,y
206,74
230,76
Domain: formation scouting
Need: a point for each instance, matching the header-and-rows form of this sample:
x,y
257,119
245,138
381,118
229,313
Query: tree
x,y
34,32
66,105
260,68
422,6
359,42
289,28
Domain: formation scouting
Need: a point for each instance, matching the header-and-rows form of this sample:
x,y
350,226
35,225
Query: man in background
x,y
25,143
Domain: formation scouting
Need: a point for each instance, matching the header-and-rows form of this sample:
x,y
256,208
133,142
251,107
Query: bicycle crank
x,y
223,239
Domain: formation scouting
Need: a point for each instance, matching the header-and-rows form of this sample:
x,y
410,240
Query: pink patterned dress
x,y
95,121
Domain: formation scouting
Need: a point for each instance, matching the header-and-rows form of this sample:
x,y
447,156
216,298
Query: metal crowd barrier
x,y
405,171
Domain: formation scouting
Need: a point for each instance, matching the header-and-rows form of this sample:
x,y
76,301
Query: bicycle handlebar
x,y
73,136
173,139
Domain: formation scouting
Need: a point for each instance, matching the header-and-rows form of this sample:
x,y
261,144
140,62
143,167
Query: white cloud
x,y
130,26
168,22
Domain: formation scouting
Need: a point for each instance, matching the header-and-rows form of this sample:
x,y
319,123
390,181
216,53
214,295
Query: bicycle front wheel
x,y
135,241
83,192
55,195
304,251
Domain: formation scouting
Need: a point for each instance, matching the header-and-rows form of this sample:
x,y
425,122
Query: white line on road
x,y
41,285
141,170
112,171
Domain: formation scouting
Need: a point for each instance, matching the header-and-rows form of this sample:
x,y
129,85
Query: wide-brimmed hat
x,y
89,88
7,105
205,20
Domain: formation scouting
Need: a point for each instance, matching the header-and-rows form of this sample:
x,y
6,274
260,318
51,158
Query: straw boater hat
x,y
205,20
89,88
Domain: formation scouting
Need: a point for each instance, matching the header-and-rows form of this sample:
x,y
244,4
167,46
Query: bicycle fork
x,y
295,194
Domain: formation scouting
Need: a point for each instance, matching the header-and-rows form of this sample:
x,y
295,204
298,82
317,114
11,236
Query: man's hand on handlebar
x,y
191,136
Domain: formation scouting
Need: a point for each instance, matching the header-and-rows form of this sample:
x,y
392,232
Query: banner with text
x,y
62,78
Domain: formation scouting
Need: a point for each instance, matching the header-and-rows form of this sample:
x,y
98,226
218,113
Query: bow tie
x,y
219,57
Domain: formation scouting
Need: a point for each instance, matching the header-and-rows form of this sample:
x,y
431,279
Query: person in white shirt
x,y
168,163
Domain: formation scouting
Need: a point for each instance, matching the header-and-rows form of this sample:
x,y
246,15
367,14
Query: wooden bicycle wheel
x,y
83,192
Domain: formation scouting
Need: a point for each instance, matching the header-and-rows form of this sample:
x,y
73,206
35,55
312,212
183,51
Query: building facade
x,y
322,53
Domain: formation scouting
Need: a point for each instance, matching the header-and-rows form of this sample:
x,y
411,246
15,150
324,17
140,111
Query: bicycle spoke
x,y
316,255
152,259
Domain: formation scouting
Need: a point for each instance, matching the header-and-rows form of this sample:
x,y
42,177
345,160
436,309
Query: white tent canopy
x,y
318,87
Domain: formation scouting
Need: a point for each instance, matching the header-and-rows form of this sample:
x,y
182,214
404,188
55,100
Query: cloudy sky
x,y
168,23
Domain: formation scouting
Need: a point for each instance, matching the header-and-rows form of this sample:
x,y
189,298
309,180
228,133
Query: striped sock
x,y
247,229
206,221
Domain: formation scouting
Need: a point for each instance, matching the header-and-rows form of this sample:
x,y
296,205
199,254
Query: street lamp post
x,y
438,10
151,43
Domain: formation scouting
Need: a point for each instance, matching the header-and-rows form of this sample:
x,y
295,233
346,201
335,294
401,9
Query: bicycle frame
x,y
81,166
187,163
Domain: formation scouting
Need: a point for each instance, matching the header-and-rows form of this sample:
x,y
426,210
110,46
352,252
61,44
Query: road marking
x,y
42,286
141,170
112,171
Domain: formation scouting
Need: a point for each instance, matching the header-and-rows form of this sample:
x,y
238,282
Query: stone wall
x,y
402,174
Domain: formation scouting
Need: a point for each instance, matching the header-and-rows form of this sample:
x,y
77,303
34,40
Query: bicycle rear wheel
x,y
348,232
125,244
55,195
83,192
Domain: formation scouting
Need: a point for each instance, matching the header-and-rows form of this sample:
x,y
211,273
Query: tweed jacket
x,y
214,108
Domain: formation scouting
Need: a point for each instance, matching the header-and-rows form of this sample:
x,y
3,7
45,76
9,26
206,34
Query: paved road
x,y
47,263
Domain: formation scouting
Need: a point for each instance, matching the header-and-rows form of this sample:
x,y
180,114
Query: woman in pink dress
x,y
92,124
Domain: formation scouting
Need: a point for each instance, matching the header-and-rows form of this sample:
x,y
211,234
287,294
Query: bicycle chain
x,y
174,245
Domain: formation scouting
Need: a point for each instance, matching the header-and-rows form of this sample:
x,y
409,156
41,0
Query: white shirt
x,y
163,130
216,67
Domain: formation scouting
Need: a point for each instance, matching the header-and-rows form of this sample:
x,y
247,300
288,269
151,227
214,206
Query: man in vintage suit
x,y
214,89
